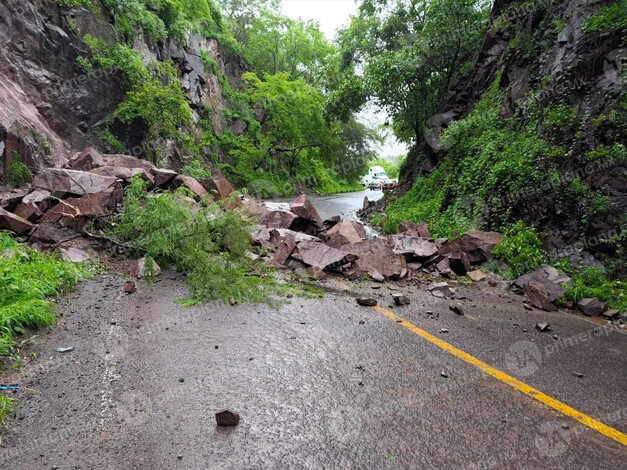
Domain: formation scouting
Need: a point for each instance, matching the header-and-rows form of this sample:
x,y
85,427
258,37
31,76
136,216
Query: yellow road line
x,y
511,381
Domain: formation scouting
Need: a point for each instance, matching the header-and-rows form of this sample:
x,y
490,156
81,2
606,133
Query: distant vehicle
x,y
375,185
389,184
374,173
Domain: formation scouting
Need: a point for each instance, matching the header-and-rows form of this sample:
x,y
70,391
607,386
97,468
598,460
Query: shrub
x,y
208,242
18,173
521,249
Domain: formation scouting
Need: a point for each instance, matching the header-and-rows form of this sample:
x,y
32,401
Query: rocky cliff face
x,y
50,107
547,59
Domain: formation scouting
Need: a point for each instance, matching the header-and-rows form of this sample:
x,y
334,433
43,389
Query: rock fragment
x,y
227,418
366,302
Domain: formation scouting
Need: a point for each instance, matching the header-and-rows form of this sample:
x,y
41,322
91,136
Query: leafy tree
x,y
409,51
293,120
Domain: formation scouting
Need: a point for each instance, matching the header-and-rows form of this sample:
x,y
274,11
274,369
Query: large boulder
x,y
220,186
163,177
86,160
9,199
190,183
323,256
14,223
76,212
278,215
345,234
34,205
591,307
541,288
302,207
78,183
477,245
412,229
377,256
414,247
126,161
284,248
125,174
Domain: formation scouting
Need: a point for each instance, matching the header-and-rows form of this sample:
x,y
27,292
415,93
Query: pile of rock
x,y
55,209
303,241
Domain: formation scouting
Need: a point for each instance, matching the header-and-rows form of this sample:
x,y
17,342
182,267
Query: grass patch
x,y
6,409
27,279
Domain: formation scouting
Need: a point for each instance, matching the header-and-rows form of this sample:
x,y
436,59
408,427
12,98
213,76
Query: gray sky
x,y
332,15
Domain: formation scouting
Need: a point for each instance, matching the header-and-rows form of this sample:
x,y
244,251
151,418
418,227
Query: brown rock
x,y
543,284
377,276
76,212
220,186
48,235
460,263
190,183
378,255
163,177
278,215
543,327
412,229
34,205
343,234
126,161
441,289
539,297
366,302
323,256
285,248
79,183
476,275
227,418
261,236
591,307
125,174
477,245
414,247
610,314
14,223
10,199
87,160
130,287
400,299
456,308
302,207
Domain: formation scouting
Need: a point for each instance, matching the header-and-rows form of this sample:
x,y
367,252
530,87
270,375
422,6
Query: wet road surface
x,y
319,384
344,204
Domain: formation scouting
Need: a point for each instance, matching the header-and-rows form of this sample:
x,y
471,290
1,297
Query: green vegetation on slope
x,y
293,69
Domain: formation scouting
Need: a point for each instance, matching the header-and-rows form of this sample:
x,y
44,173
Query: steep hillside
x,y
168,82
535,131
54,99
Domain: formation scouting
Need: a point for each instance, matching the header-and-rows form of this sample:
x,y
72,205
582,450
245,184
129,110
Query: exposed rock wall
x,y
50,107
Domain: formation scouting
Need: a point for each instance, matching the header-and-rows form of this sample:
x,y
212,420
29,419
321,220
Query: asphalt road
x,y
344,204
319,384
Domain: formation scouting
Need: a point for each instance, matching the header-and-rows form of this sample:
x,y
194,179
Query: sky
x,y
332,15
